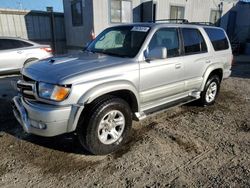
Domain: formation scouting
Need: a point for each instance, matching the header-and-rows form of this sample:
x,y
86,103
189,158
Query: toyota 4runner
x,y
127,73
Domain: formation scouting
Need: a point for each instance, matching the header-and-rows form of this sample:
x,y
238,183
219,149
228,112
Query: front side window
x,y
218,38
193,41
76,11
120,11
122,41
167,38
177,12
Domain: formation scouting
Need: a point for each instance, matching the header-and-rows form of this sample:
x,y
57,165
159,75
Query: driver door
x,y
162,78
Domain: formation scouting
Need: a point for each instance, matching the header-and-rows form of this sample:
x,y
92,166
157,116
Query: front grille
x,y
29,96
26,88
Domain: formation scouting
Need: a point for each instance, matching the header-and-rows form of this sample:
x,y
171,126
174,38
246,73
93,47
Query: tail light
x,y
47,49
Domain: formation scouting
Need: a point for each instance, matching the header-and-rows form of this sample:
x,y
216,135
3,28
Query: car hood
x,y
56,69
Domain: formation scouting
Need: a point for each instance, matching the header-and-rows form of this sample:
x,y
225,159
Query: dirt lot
x,y
185,146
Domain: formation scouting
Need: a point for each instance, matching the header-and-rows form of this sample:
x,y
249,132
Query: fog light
x,y
38,125
41,125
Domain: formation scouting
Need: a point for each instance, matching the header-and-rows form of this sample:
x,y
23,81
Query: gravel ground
x,y
185,146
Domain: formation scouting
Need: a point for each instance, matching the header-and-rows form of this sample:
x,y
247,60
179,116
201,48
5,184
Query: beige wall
x,y
102,17
195,10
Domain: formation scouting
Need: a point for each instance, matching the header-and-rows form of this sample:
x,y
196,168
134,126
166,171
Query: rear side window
x,y
194,43
7,44
218,38
25,44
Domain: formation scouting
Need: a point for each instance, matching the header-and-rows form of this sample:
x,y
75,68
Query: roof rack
x,y
181,21
202,23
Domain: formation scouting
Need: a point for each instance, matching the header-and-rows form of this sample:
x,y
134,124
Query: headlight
x,y
52,92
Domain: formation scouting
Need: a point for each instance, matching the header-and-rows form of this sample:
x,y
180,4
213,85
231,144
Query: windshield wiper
x,y
114,54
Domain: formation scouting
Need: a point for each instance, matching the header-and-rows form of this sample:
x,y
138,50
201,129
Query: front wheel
x,y
211,91
106,127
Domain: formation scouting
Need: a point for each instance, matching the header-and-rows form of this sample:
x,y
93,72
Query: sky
x,y
32,4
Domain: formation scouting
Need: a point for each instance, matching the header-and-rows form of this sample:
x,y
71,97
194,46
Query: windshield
x,y
122,41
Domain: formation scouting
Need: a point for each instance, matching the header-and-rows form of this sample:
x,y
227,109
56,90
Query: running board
x,y
158,109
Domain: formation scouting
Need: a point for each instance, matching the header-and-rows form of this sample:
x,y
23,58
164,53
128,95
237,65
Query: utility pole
x,y
52,26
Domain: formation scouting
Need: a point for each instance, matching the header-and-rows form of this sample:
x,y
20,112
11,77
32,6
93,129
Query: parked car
x,y
16,52
127,73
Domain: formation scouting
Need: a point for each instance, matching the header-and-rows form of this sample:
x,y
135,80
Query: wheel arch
x,y
123,90
213,70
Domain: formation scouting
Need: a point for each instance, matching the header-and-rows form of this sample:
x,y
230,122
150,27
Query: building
x,y
85,17
35,26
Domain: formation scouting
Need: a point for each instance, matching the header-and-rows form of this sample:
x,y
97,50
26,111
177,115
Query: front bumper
x,y
44,120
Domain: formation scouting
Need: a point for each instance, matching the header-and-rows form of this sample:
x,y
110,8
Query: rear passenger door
x,y
195,58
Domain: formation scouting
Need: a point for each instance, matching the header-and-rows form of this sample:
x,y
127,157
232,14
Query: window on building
x,y
214,16
167,38
177,12
218,38
120,11
193,41
76,11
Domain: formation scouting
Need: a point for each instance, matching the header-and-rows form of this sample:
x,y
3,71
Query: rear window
x,y
194,43
218,38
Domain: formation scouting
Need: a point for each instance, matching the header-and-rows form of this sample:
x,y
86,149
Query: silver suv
x,y
127,73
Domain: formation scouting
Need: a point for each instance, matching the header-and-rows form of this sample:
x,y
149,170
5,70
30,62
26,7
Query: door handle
x,y
208,61
19,52
177,66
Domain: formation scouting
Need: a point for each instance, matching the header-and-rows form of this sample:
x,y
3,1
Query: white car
x,y
16,52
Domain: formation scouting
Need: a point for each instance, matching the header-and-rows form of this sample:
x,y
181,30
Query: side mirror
x,y
156,53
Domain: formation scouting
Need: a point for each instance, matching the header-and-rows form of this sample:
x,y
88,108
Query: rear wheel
x,y
106,126
211,91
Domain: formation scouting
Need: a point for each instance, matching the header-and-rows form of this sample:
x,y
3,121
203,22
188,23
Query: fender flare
x,y
207,73
106,88
98,91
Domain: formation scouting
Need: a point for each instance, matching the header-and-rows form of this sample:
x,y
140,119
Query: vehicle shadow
x,y
241,70
66,143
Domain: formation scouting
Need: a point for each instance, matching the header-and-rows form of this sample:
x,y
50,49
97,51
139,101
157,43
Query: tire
x,y
211,91
98,133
